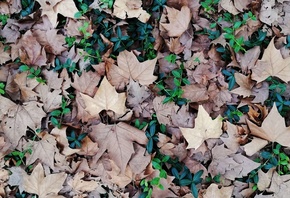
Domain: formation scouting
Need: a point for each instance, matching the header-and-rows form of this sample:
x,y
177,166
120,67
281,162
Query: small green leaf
x,y
176,73
55,113
23,68
78,15
54,121
155,181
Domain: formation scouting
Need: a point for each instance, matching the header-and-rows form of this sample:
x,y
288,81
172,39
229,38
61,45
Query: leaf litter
x,y
144,98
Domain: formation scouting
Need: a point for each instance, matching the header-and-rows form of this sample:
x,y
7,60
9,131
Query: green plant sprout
x,y
32,73
2,88
57,115
18,157
273,157
74,140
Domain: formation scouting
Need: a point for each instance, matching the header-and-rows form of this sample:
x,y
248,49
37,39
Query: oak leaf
x,y
51,8
273,128
178,21
129,67
106,98
130,9
272,64
204,129
44,187
118,140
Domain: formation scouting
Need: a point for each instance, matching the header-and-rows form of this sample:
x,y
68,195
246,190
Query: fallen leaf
x,y
44,187
204,129
136,93
228,5
16,118
4,54
16,177
129,67
248,60
229,164
43,150
29,50
86,83
195,92
273,128
178,21
79,185
268,14
265,179
214,191
118,140
272,64
51,8
245,83
130,9
254,146
106,98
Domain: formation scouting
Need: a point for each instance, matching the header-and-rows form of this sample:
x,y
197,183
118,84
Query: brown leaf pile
x,y
106,98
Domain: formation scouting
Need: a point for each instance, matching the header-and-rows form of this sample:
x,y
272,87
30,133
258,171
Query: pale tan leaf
x,y
44,187
129,67
178,21
118,140
204,129
214,191
254,146
106,98
51,8
4,54
79,185
130,9
18,117
86,83
273,128
245,83
272,64
265,179
228,5
43,150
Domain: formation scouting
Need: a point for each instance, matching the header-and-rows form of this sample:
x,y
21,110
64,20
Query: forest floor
x,y
131,98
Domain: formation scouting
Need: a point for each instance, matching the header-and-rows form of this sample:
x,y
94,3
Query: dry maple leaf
x,y
118,140
15,118
106,98
87,82
43,150
272,64
29,50
130,9
273,128
204,129
51,8
245,83
129,67
178,21
44,187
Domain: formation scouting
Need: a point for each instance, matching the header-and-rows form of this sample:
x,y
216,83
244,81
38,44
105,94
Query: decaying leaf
x,y
106,98
204,129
